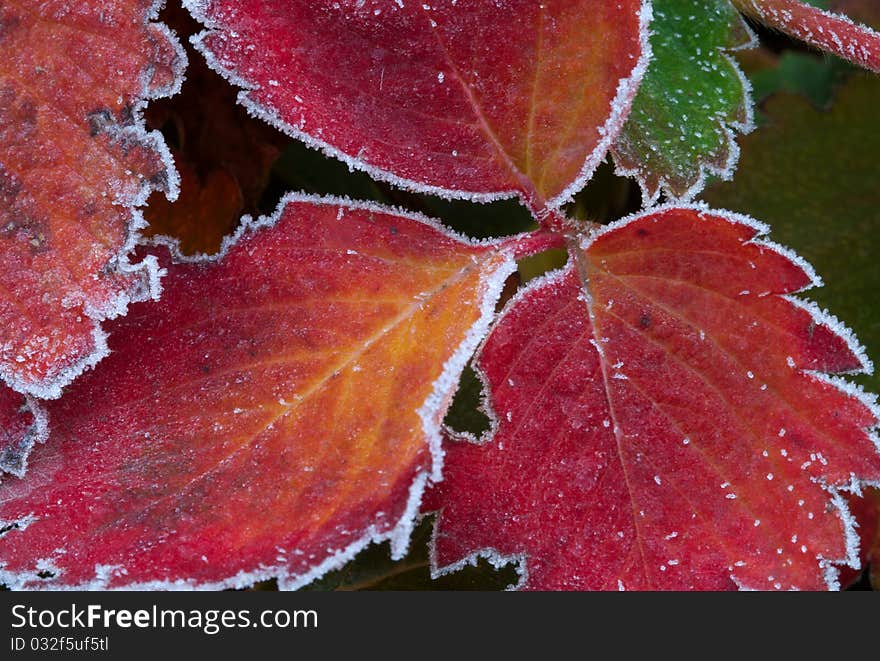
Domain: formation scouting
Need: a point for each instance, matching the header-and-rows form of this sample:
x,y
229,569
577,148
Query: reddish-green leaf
x,y
466,99
662,421
275,411
75,162
831,32
22,423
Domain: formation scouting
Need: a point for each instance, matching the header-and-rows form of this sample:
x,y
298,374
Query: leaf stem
x,y
373,581
830,32
526,245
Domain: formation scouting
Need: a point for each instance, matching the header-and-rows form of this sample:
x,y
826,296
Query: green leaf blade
x,y
691,102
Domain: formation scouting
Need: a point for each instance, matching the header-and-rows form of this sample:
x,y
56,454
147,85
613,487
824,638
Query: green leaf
x,y
691,100
813,177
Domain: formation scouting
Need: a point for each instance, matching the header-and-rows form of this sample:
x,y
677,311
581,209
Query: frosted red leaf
x,y
22,423
75,162
826,30
465,99
275,411
662,420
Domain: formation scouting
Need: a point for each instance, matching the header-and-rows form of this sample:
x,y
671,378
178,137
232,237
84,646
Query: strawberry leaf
x,y
463,99
829,212
22,423
691,101
75,163
278,409
661,420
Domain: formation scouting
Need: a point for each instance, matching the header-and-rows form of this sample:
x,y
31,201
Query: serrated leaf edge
x,y
724,171
37,433
149,286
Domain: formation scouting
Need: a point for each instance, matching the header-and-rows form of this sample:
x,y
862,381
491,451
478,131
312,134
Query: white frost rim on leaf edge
x,y
830,567
618,113
431,414
37,433
147,286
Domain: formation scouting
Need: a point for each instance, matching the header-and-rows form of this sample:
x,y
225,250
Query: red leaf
x,y
664,427
272,414
831,32
468,99
75,163
22,423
